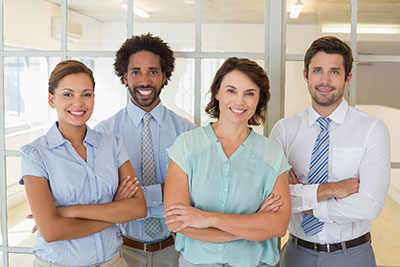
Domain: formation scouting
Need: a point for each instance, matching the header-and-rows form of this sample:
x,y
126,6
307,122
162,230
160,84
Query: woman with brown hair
x,y
226,190
78,180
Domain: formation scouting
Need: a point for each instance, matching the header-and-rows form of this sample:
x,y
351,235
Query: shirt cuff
x,y
321,211
309,197
153,195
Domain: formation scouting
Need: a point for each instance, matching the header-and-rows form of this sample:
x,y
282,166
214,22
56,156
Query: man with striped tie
x,y
340,160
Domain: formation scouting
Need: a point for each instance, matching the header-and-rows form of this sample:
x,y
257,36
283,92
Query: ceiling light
x,y
362,28
296,9
137,11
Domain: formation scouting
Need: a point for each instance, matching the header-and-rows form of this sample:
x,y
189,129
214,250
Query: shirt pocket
x,y
346,161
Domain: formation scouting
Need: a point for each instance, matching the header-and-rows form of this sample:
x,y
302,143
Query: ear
x,y
217,95
50,100
125,79
305,75
164,78
348,78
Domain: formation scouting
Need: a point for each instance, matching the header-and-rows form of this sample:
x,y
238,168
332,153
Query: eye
x,y
153,72
67,94
135,72
88,94
317,71
335,72
230,91
250,94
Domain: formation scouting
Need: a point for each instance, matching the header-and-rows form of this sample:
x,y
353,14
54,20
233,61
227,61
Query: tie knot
x,y
146,118
324,122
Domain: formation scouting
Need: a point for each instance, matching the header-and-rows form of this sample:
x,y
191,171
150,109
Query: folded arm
x,y
262,225
118,211
52,226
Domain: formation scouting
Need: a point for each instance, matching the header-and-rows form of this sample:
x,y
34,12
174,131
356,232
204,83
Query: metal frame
x,y
274,56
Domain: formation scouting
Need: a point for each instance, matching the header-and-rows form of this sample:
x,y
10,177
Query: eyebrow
x,y
139,68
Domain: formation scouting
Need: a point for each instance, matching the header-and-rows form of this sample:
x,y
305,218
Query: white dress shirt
x,y
359,148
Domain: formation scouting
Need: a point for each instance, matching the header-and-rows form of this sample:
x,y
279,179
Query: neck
x,y
326,111
73,134
224,129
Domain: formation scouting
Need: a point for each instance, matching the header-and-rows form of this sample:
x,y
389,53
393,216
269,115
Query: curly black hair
x,y
146,42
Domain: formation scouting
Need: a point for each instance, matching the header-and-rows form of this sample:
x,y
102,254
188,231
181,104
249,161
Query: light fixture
x,y
137,11
362,28
296,9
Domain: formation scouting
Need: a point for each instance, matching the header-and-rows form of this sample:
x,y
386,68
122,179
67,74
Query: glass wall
x,y
36,34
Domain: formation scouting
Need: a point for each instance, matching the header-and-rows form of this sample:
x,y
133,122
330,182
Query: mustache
x,y
144,87
325,85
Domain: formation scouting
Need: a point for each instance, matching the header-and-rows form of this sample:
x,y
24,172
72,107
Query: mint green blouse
x,y
236,185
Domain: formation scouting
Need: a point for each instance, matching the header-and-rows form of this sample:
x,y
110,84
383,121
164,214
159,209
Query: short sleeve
x,y
177,153
122,155
32,162
284,164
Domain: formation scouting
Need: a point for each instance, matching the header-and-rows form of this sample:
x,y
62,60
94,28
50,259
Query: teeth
x,y
76,112
237,110
144,92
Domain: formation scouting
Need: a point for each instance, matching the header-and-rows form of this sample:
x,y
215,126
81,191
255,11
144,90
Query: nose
x,y
326,77
144,79
78,101
239,99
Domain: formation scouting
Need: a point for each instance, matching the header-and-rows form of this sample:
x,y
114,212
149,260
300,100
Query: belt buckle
x,y
328,248
145,246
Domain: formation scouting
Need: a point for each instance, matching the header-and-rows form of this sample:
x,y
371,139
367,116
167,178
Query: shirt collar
x,y
55,138
338,115
136,114
211,132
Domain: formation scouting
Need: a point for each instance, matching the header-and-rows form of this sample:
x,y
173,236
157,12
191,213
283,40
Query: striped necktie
x,y
318,173
151,226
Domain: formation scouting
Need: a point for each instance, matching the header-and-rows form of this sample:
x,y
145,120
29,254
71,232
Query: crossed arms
x,y
271,220
70,222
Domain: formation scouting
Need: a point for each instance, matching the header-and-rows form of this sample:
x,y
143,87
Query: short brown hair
x,y
330,45
255,73
65,68
144,42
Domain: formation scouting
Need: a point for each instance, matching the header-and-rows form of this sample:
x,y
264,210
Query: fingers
x,y
292,177
29,216
271,203
34,229
128,188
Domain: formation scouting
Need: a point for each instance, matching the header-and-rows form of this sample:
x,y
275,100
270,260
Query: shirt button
x,y
154,202
226,189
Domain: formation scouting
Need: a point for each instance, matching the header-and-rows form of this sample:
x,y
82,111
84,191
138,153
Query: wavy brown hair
x,y
255,73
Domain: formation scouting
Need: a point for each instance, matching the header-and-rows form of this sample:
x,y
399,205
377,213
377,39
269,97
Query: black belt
x,y
330,247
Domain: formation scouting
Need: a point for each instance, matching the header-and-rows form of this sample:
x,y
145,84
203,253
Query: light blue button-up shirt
x,y
237,185
73,181
165,127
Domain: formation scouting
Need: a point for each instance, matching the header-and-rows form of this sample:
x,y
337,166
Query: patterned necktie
x,y
318,173
152,226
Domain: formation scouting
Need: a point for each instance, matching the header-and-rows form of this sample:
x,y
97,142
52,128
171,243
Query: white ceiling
x,y
240,11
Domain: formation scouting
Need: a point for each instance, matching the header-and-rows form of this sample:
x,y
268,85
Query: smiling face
x,y
326,81
145,79
73,98
238,97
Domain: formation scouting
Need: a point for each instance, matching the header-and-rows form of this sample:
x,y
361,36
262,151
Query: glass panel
x,y
383,105
378,28
297,97
19,228
95,25
38,15
26,107
111,95
317,18
208,69
18,260
173,21
178,95
233,26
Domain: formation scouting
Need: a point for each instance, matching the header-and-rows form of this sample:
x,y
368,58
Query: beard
x,y
148,102
325,101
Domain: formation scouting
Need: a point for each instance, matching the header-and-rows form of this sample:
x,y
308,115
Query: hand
x,y
309,212
188,217
292,177
34,228
127,189
272,203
